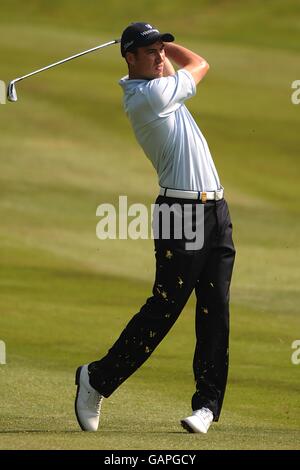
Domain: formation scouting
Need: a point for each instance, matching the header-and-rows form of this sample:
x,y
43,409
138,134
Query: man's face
x,y
147,62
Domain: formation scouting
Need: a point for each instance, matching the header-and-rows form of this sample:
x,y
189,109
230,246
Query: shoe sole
x,y
187,427
190,429
77,382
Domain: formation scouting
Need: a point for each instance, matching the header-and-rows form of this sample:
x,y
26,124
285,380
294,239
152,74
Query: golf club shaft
x,y
115,41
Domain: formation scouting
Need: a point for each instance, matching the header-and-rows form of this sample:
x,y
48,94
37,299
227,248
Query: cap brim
x,y
165,37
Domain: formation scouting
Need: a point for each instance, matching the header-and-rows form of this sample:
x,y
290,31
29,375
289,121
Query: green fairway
x,y
66,147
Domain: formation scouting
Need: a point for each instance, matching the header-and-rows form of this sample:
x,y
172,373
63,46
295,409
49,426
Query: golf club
x,y
11,89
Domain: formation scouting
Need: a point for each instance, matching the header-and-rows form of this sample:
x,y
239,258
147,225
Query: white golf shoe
x,y
200,421
88,401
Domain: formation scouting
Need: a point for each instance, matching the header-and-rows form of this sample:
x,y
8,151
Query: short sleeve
x,y
167,94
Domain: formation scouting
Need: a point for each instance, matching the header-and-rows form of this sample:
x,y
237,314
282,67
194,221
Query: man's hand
x,y
187,59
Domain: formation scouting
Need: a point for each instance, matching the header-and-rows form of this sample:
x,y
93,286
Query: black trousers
x,y
179,271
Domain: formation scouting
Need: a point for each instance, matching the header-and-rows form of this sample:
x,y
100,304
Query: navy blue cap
x,y
140,35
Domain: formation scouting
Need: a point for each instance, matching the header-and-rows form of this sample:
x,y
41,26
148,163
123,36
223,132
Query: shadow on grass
x,y
29,431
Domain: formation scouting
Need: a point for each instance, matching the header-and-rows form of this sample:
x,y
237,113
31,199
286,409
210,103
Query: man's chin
x,y
158,74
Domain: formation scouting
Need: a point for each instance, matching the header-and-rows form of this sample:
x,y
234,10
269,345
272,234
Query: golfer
x,y
154,97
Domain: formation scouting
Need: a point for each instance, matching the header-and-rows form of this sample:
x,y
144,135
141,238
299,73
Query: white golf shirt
x,y
167,132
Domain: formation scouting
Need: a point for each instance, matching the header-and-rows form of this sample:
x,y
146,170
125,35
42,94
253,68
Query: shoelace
x,y
205,414
98,403
96,400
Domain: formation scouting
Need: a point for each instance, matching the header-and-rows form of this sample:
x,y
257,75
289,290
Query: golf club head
x,y
12,92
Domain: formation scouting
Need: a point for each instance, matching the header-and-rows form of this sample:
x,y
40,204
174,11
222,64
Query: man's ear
x,y
130,58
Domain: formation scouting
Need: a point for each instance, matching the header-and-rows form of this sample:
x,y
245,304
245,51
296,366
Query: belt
x,y
202,196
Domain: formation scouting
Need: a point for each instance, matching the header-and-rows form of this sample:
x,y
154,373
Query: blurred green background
x,y
66,147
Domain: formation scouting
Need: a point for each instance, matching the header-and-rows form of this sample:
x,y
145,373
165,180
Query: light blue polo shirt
x,y
167,132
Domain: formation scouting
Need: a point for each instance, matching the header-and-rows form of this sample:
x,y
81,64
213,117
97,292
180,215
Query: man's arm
x,y
187,59
168,68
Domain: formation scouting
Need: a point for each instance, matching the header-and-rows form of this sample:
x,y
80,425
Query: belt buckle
x,y
203,197
218,195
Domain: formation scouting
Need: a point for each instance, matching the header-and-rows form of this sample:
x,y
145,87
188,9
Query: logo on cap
x,y
128,44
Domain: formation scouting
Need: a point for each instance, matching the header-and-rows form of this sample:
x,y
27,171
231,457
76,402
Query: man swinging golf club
x,y
154,96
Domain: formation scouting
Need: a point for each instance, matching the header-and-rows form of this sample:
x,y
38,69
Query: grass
x,y
65,148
